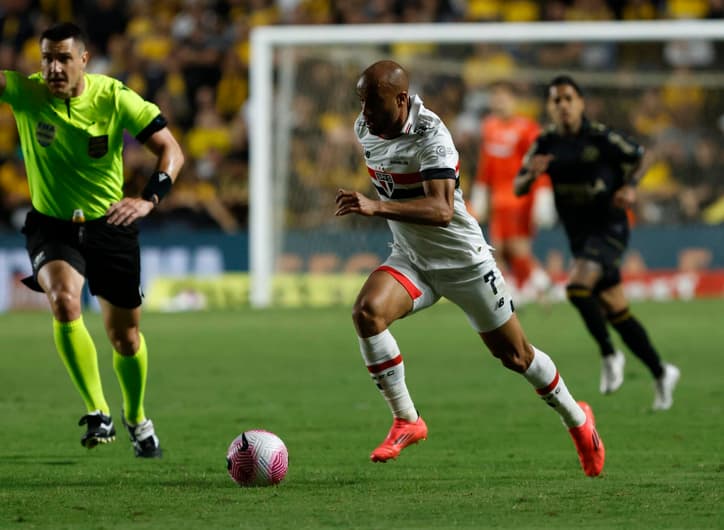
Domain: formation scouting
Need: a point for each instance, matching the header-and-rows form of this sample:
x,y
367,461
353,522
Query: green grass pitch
x,y
496,456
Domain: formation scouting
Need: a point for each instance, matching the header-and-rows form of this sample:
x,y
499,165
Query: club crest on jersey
x,y
97,146
590,153
386,182
45,133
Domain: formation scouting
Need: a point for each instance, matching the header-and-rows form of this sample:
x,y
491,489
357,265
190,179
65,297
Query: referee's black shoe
x,y
144,439
100,429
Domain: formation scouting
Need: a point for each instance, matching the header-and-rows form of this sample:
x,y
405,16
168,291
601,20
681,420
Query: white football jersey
x,y
395,167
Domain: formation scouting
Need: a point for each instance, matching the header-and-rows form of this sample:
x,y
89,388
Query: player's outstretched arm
x,y
529,172
523,181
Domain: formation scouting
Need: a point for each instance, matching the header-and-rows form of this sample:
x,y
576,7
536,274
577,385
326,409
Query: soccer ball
x,y
257,458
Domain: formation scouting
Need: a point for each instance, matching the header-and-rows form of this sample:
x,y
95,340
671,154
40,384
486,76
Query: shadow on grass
x,y
152,482
41,460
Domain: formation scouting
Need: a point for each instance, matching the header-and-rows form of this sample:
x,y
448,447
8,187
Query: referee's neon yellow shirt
x,y
73,147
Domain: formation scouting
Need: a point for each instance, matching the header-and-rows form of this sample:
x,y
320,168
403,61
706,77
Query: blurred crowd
x,y
191,57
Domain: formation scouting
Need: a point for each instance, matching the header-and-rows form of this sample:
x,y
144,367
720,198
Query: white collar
x,y
415,107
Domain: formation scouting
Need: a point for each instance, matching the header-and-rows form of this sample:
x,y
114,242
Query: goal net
x,y
659,81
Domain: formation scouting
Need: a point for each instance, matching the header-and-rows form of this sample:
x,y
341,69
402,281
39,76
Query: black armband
x,y
158,186
158,123
438,173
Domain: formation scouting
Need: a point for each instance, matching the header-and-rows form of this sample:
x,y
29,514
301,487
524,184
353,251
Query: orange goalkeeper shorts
x,y
510,222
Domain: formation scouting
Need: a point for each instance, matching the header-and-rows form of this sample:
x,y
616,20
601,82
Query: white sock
x,y
543,375
384,362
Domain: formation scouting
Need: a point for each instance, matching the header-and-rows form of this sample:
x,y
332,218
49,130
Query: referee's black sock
x,y
582,298
635,337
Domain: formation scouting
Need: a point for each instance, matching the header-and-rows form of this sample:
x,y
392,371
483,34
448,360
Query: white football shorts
x,y
479,290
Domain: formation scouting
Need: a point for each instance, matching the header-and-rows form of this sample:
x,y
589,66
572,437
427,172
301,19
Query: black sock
x,y
636,338
581,297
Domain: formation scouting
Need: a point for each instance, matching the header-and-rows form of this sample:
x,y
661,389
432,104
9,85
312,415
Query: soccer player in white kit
x,y
438,250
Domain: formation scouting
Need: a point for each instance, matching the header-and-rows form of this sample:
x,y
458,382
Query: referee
x,y
71,127
594,171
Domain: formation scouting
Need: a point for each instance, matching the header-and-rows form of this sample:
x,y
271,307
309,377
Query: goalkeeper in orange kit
x,y
505,138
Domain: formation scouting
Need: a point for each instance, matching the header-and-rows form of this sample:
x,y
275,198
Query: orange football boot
x,y
402,434
589,445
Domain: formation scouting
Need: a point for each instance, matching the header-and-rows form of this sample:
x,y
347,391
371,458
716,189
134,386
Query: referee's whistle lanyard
x,y
81,234
79,221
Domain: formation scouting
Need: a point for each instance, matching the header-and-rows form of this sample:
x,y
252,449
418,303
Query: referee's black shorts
x,y
605,249
109,256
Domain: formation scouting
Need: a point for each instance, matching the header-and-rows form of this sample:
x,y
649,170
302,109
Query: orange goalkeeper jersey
x,y
504,144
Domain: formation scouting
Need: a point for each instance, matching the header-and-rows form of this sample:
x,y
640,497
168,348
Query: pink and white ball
x,y
257,458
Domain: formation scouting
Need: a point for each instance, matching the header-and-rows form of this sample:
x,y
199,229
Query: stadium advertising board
x,y
196,271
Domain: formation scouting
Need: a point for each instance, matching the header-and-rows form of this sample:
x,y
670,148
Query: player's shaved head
x,y
386,75
382,89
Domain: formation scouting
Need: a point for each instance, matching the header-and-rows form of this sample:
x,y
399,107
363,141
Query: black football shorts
x,y
109,256
605,250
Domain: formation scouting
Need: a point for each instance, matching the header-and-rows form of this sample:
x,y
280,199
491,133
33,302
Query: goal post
x,y
276,50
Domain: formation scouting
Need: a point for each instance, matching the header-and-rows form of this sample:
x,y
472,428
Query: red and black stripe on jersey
x,y
408,185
